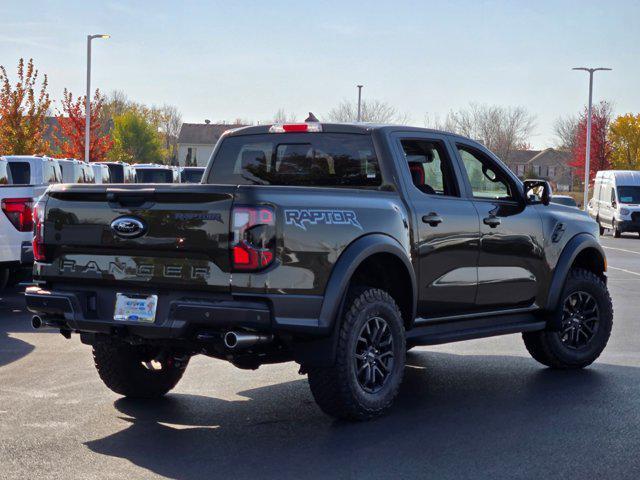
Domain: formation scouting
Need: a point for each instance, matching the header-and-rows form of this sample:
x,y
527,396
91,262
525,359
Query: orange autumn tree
x,y
23,110
70,131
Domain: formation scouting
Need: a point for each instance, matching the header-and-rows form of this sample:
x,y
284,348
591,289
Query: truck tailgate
x,y
160,235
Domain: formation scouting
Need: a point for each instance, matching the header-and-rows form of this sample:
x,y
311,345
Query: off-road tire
x,y
4,277
336,389
121,369
601,229
547,347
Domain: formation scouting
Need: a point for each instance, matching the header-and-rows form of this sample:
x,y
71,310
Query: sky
x,y
247,59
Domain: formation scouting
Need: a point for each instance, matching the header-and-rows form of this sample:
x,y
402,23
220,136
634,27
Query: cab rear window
x,y
298,159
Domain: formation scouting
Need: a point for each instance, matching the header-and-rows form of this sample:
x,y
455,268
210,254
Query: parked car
x,y
120,172
338,246
566,200
616,201
191,174
101,173
76,171
154,173
23,179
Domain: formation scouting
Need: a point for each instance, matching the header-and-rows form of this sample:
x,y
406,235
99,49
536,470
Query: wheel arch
x,y
582,251
375,252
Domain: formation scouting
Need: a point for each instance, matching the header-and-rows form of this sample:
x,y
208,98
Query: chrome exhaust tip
x,y
36,322
238,340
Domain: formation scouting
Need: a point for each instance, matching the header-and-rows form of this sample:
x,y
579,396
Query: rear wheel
x,y
585,319
601,228
370,359
137,371
4,278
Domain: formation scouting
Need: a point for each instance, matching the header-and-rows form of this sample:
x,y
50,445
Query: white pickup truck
x,y
23,179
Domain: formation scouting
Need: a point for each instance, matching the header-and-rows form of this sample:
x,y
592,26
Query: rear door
x,y
160,236
446,224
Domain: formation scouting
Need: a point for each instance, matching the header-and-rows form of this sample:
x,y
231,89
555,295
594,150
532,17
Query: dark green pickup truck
x,y
335,246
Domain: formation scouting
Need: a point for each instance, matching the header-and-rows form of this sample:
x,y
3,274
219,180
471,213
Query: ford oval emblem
x,y
128,227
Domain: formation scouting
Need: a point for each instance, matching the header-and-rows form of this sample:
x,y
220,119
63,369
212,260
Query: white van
x,y
616,201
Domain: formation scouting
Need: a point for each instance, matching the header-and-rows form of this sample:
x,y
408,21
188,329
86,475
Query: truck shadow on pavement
x,y
13,318
456,416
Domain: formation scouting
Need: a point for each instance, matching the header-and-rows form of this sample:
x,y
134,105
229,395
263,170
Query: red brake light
x,y
296,127
39,250
252,248
19,212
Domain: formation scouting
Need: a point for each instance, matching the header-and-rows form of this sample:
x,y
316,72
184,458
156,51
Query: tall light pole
x,y
359,102
87,101
587,161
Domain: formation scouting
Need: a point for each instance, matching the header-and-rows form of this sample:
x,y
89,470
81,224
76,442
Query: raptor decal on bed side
x,y
301,218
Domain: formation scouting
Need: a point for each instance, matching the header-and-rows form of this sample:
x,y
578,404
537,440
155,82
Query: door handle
x,y
432,219
492,221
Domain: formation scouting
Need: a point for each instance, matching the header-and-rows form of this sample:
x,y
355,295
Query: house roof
x,y
203,133
552,157
517,157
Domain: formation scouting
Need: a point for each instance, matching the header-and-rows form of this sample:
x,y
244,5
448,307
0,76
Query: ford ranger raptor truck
x,y
337,246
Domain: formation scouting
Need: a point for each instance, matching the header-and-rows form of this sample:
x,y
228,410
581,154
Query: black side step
x,y
436,332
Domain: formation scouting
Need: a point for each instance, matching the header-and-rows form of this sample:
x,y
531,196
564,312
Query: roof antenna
x,y
311,118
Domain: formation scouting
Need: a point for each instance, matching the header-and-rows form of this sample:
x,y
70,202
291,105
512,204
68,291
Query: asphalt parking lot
x,y
477,409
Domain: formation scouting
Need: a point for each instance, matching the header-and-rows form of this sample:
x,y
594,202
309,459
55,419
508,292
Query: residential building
x,y
549,164
197,140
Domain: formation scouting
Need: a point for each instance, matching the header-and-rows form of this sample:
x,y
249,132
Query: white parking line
x,y
620,249
623,270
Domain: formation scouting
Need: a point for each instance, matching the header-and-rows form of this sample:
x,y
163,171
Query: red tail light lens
x,y
39,250
19,212
253,242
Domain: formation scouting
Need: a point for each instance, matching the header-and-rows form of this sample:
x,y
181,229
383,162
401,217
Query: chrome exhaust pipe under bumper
x,y
37,322
240,340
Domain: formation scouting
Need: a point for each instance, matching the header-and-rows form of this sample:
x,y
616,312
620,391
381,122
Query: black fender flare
x,y
571,250
320,352
348,262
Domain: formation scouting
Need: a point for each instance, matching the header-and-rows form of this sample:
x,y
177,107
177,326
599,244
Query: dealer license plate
x,y
135,308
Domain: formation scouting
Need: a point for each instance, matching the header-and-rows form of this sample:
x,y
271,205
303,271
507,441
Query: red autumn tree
x,y
70,131
600,144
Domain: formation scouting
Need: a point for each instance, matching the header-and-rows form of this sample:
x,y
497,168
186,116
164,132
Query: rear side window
x,y
20,173
5,177
299,159
51,172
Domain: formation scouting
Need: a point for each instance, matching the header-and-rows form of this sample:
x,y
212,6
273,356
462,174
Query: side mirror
x,y
537,191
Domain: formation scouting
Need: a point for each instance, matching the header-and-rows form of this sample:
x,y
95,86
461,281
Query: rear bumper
x,y
179,315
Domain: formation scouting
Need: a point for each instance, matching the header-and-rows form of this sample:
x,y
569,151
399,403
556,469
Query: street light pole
x,y
87,100
359,102
587,161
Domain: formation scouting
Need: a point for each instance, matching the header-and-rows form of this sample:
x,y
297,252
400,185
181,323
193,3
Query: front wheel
x,y
585,319
616,231
138,371
370,359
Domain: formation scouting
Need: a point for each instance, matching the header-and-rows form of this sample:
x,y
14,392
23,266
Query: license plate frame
x,y
135,308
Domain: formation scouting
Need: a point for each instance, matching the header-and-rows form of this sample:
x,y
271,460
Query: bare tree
x,y
566,130
501,129
281,116
375,111
170,123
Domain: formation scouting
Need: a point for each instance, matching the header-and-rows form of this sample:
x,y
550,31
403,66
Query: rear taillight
x,y
253,245
19,212
39,250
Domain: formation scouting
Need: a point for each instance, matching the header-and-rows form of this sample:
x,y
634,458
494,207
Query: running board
x,y
436,332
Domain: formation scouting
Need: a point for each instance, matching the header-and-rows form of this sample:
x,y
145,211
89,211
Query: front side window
x,y
430,166
487,181
309,159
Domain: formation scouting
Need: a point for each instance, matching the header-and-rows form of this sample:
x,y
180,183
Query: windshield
x,y
192,175
629,194
313,159
154,175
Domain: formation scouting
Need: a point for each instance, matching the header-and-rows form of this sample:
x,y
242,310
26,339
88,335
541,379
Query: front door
x,y
445,225
511,264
